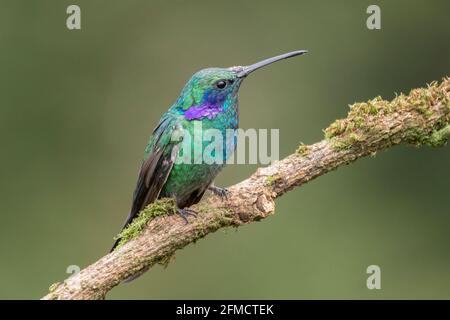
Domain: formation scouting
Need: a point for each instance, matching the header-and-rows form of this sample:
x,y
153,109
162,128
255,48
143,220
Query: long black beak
x,y
249,69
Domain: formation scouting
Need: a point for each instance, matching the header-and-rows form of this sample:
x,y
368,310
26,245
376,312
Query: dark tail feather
x,y
116,243
130,218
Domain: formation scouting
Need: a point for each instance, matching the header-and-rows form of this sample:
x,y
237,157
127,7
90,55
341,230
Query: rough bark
x,y
420,118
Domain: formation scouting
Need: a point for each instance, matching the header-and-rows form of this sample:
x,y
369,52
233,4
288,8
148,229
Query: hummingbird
x,y
209,99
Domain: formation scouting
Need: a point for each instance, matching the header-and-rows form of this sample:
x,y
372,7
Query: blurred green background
x,y
77,107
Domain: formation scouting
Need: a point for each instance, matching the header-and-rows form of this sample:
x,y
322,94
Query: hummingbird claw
x,y
220,192
184,213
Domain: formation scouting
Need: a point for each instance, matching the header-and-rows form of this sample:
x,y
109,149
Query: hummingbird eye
x,y
221,84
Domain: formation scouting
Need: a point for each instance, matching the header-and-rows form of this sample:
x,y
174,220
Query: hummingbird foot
x,y
185,213
220,192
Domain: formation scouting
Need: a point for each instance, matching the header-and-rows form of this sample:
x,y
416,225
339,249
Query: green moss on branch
x,y
160,207
374,119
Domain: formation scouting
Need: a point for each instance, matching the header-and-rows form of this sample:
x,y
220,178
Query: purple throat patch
x,y
209,111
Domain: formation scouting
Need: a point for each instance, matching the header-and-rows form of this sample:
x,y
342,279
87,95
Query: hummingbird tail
x,y
116,243
130,218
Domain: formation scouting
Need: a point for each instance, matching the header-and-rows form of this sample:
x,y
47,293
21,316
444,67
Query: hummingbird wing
x,y
160,156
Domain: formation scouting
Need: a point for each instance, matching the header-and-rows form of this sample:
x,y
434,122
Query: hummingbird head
x,y
208,90
211,91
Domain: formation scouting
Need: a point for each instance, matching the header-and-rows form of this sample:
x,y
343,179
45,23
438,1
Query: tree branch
x,y
420,118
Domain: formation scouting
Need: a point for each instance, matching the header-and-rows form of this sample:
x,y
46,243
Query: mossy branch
x,y
420,118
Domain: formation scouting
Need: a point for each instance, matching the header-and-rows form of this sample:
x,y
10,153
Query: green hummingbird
x,y
209,100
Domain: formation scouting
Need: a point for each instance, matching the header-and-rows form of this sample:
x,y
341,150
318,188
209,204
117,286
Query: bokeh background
x,y
77,107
